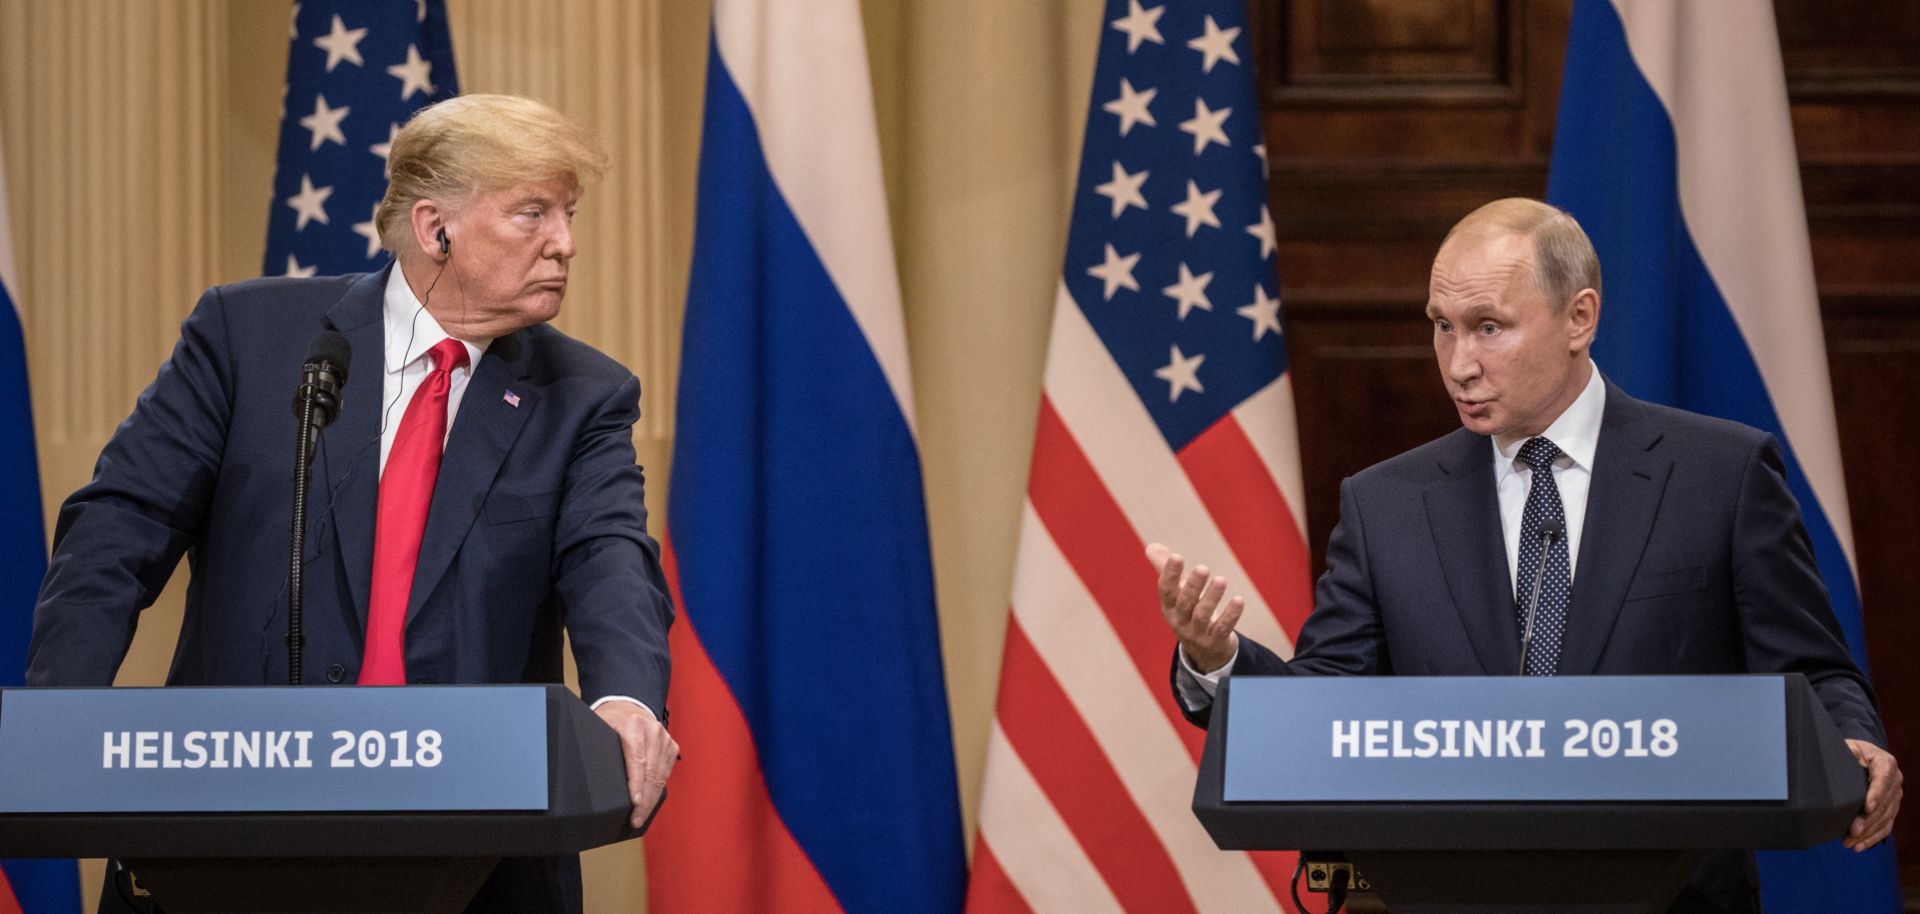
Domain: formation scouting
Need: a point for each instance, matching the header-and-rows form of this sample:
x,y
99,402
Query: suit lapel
x,y
351,454
1463,512
483,432
1629,477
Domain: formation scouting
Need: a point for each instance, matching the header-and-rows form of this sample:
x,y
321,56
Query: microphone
x,y
315,403
321,378
1550,533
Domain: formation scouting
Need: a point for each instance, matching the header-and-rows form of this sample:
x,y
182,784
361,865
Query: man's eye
x,y
1489,329
1443,326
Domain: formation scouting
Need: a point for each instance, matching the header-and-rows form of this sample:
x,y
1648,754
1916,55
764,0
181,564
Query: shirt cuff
x,y
643,705
1197,689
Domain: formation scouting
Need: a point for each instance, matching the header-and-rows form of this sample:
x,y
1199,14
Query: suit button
x,y
336,674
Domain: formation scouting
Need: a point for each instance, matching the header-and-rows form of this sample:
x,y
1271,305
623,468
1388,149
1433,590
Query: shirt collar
x,y
411,332
1576,432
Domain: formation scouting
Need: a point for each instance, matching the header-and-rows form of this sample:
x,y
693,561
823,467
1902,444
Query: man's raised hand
x,y
1190,602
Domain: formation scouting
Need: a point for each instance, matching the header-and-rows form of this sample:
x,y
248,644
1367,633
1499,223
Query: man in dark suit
x,y
1665,542
477,494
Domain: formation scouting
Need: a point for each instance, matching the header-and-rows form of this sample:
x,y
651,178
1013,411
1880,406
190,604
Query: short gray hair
x,y
1563,255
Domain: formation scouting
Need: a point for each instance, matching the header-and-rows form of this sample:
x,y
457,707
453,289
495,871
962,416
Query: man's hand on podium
x,y
1883,795
1189,607
649,751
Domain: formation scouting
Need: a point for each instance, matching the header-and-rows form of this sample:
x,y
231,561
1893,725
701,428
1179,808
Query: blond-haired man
x,y
477,495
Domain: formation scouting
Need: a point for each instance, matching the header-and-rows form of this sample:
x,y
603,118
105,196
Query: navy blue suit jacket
x,y
1693,559
537,521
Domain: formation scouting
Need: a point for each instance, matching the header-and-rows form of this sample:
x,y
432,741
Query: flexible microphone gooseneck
x,y
1550,532
315,403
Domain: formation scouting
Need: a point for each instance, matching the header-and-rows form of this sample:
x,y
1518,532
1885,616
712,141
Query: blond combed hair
x,y
472,144
1563,255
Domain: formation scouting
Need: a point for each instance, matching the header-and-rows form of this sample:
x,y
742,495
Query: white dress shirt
x,y
1576,432
411,333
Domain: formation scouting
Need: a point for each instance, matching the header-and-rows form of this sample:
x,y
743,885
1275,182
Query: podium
x,y
1541,829
394,799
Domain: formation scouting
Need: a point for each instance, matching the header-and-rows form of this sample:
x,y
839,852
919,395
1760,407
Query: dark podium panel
x,y
420,860
1537,856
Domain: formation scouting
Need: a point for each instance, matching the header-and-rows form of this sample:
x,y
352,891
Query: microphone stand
x,y
310,399
296,552
1548,537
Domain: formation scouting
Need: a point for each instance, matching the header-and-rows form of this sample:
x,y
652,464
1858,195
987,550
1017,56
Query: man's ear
x,y
429,220
1583,319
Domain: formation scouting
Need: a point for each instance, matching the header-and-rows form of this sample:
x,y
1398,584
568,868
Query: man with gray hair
x,y
1688,547
477,496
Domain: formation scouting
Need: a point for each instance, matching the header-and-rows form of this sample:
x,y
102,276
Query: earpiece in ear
x,y
446,245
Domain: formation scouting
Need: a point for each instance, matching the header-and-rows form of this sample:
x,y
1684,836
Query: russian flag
x,y
808,693
1675,151
30,886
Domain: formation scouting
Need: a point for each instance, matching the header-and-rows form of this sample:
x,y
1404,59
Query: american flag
x,y
355,72
1167,416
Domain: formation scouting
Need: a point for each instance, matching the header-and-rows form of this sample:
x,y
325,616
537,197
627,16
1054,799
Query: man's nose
x,y
1463,362
560,242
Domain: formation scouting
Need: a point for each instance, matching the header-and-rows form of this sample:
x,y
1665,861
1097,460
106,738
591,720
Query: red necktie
x,y
406,491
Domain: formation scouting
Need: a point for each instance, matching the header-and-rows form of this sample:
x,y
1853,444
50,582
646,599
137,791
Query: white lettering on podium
x,y
172,749
196,746
115,750
144,748
1509,739
1429,746
1346,739
246,749
1438,738
1479,738
1376,739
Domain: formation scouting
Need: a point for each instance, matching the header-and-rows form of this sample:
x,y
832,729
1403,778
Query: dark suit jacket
x,y
1693,559
537,521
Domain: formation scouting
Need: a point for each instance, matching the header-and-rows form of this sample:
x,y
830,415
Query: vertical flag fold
x,y
1674,148
355,72
29,886
1167,415
808,693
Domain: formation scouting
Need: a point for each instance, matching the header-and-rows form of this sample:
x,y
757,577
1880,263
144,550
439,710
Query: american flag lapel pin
x,y
513,399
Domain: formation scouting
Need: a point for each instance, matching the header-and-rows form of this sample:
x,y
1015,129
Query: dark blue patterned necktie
x,y
1543,512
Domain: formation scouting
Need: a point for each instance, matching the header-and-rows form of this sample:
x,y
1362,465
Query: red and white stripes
x,y
1090,769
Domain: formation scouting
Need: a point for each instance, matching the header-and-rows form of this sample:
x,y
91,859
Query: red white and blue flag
x,y
1674,148
30,886
807,694
356,71
1167,416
